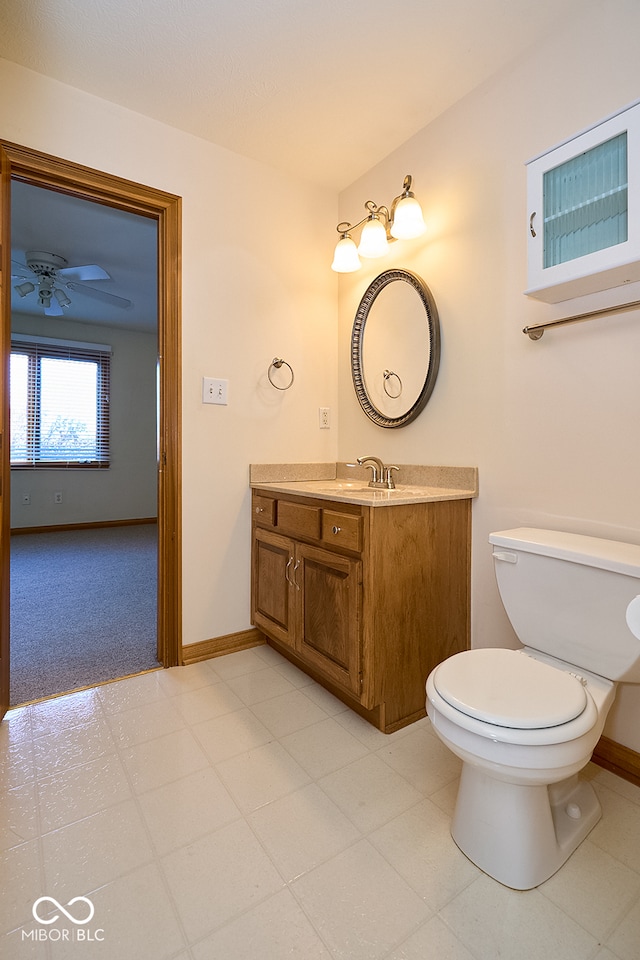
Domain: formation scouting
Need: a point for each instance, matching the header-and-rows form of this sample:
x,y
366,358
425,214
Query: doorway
x,y
22,165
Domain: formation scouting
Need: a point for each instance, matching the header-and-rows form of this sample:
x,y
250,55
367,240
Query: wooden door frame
x,y
40,169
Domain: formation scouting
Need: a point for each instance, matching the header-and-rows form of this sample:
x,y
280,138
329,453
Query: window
x,y
59,403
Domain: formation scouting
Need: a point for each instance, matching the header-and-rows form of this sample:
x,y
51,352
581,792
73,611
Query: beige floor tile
x,y
180,812
371,737
208,702
177,680
302,830
219,878
18,814
260,685
81,791
288,712
234,733
433,941
360,906
618,832
261,776
17,752
155,762
237,664
150,720
22,884
625,940
273,930
369,792
50,717
418,845
58,752
89,853
423,760
324,747
135,917
493,921
298,678
594,889
130,692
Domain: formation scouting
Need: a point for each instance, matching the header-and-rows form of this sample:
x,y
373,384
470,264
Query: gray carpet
x,y
83,608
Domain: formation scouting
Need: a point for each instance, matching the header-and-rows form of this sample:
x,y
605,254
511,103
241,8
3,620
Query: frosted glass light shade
x,y
25,288
345,257
408,221
373,240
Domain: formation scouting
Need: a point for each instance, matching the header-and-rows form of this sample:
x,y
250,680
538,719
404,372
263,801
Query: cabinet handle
x,y
336,529
531,227
286,572
294,581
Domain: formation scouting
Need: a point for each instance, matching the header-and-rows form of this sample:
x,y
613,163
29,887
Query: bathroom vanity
x,y
365,589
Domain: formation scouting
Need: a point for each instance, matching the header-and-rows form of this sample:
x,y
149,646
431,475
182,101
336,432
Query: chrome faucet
x,y
381,476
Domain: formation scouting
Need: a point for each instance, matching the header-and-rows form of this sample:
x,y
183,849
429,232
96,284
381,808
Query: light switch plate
x,y
215,391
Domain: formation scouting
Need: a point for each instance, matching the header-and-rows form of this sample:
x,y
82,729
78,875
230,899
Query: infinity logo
x,y
59,906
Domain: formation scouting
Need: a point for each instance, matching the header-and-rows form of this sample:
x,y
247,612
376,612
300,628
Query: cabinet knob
x,y
259,509
336,529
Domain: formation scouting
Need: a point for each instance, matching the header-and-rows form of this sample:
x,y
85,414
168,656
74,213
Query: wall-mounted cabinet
x,y
584,211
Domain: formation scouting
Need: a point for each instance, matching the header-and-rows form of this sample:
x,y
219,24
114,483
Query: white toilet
x,y
525,722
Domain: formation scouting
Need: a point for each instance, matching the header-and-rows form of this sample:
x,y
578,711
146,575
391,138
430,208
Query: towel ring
x,y
278,362
387,374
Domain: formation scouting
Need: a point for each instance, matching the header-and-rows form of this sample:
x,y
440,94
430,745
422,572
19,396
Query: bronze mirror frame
x,y
357,342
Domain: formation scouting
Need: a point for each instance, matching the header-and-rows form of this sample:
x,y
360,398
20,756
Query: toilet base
x,y
521,834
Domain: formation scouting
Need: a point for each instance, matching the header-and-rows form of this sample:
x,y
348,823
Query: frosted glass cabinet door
x,y
584,211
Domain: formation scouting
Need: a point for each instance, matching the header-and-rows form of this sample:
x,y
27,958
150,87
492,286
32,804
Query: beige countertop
x,y
348,483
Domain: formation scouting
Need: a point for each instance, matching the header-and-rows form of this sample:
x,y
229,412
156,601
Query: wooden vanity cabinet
x,y
367,600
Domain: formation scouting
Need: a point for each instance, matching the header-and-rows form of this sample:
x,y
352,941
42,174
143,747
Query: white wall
x,y
255,286
128,489
553,425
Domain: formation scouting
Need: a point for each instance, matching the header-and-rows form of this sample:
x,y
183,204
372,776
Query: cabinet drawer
x,y
342,530
298,519
264,510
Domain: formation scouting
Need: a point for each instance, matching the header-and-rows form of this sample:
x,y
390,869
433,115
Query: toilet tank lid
x,y
591,551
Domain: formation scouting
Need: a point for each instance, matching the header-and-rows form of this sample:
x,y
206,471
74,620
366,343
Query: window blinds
x,y
59,403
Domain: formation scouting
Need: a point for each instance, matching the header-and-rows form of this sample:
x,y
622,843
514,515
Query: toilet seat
x,y
507,688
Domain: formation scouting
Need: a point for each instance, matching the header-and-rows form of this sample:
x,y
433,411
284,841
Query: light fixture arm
x,y
346,256
381,212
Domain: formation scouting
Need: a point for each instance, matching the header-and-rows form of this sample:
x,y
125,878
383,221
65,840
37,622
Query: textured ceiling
x,y
323,89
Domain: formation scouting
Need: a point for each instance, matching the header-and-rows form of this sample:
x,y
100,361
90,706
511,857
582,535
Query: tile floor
x,y
234,810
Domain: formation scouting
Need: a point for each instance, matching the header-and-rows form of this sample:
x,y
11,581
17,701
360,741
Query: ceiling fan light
x,y
408,221
373,240
61,297
345,257
24,289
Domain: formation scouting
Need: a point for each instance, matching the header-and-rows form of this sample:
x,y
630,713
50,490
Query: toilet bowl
x,y
525,722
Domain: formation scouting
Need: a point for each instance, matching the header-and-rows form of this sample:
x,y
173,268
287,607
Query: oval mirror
x,y
395,348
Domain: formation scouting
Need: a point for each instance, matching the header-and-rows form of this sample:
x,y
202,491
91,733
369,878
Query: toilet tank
x,y
572,597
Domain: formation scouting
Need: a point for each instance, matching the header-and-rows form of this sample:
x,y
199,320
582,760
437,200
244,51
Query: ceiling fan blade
x,y
53,310
90,271
99,295
22,270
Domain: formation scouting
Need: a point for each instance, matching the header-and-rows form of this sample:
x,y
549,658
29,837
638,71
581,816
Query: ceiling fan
x,y
49,275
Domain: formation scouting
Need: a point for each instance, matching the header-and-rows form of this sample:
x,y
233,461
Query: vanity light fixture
x,y
403,222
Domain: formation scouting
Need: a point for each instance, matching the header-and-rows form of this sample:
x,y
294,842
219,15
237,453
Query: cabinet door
x,y
330,634
584,209
273,593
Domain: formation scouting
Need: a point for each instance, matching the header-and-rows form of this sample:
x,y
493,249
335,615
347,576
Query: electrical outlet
x,y
325,417
57,497
26,498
